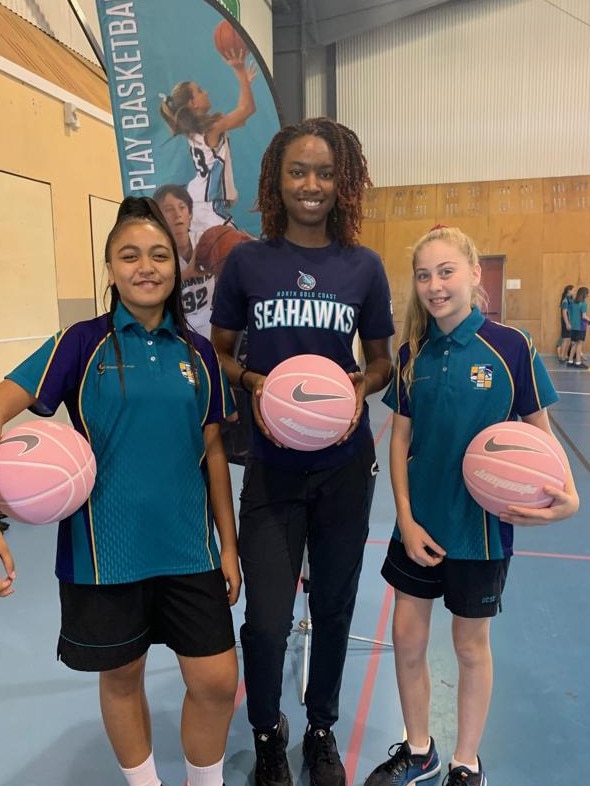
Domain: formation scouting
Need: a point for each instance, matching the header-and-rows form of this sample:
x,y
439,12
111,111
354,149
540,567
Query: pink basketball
x,y
47,471
308,402
509,463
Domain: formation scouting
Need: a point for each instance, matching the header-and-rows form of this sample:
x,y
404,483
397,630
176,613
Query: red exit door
x,y
492,280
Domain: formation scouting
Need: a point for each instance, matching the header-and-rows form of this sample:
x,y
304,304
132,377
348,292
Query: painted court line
x,y
583,557
364,704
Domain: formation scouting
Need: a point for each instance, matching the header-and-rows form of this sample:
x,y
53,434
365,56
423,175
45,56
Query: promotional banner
x,y
192,103
194,109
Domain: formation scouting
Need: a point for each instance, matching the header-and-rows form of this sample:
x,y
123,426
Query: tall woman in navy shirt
x,y
138,563
308,287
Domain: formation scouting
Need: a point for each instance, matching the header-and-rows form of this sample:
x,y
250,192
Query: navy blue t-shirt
x,y
295,300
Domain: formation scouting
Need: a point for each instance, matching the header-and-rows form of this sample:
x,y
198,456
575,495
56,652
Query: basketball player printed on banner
x,y
194,78
458,373
149,395
209,257
198,284
188,111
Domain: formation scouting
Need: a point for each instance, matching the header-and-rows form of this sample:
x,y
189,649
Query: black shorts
x,y
107,626
470,588
565,332
578,335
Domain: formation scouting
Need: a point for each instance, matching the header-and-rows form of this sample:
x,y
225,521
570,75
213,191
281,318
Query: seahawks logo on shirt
x,y
306,282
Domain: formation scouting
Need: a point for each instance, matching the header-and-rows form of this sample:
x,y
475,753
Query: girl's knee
x,y
124,679
471,640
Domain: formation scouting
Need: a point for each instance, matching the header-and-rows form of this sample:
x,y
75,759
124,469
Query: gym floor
x,y
537,734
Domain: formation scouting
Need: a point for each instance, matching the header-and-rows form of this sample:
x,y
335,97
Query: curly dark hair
x,y
352,177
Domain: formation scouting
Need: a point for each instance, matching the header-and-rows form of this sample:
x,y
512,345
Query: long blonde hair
x,y
417,317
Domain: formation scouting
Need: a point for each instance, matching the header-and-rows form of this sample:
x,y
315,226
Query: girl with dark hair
x,y
565,302
579,323
138,563
308,287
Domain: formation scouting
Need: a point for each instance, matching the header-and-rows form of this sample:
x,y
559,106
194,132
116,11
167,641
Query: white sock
x,y
472,767
417,751
144,775
205,776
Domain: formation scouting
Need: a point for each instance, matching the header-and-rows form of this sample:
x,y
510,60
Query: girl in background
x,y
579,323
565,302
187,111
457,372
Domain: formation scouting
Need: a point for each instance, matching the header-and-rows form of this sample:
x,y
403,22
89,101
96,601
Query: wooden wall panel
x,y
529,222
516,197
456,201
566,231
374,204
410,204
29,47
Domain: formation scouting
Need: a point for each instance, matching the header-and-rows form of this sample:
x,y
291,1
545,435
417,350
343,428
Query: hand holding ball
x,y
509,464
308,402
47,471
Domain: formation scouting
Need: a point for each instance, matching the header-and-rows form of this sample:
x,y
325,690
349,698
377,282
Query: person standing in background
x,y
311,186
565,302
579,323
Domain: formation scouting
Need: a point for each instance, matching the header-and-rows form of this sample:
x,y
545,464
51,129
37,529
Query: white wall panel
x,y
28,279
477,90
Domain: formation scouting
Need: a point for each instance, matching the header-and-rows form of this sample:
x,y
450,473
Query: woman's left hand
x,y
360,388
565,504
230,567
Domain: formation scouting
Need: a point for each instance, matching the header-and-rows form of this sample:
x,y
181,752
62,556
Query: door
x,y
492,280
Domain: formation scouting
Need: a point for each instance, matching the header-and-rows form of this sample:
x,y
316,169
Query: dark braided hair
x,y
134,210
352,177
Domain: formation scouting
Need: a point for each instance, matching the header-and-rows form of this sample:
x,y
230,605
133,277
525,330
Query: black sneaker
x,y
461,776
272,767
405,768
322,757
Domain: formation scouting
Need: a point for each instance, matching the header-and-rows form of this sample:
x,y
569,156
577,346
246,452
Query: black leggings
x,y
279,512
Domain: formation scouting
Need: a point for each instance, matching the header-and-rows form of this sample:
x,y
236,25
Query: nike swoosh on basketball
x,y
493,447
301,396
30,440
